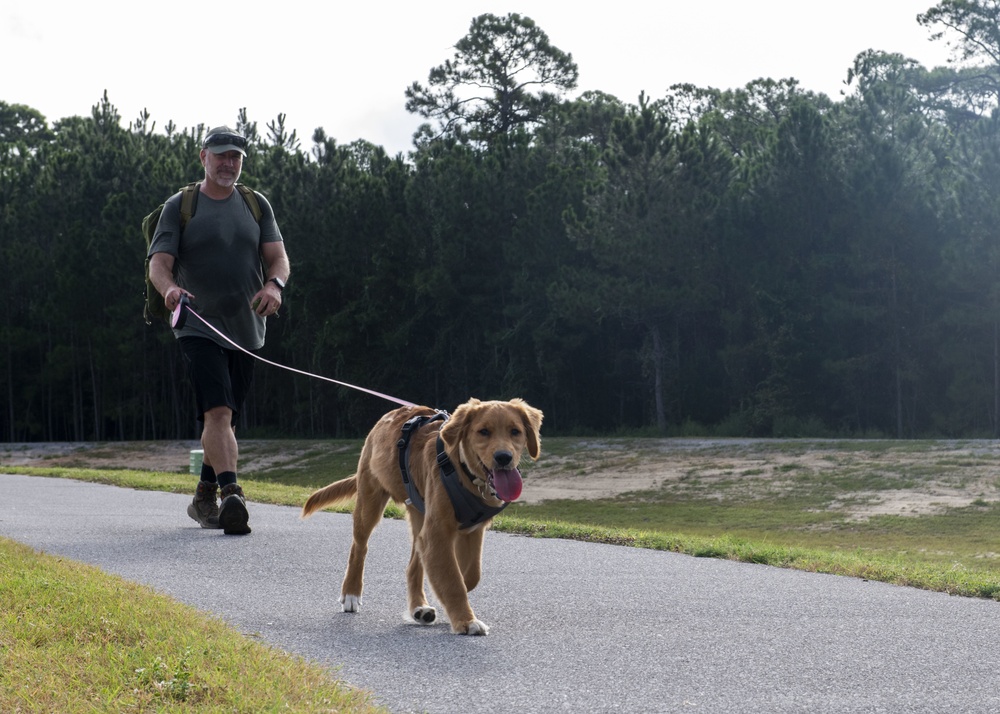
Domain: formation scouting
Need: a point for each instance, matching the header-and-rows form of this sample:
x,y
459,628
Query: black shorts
x,y
221,377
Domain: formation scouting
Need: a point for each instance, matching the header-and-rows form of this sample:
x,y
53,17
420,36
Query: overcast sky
x,y
345,66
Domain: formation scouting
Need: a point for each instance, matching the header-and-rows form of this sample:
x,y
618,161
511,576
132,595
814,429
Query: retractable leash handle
x,y
179,317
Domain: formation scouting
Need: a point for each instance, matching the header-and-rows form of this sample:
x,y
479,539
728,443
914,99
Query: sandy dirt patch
x,y
901,478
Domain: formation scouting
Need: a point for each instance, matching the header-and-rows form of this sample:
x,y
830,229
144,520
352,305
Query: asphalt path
x,y
575,627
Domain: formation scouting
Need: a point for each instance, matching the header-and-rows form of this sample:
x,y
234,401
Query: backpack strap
x,y
189,202
250,196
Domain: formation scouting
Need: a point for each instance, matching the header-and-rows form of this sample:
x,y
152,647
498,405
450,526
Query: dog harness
x,y
469,510
403,445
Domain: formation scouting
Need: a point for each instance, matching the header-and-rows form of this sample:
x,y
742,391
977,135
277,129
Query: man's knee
x,y
219,417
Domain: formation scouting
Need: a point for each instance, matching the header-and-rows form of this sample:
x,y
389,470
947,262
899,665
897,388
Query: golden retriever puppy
x,y
463,469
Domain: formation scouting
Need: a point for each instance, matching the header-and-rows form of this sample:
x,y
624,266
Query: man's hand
x,y
267,300
173,296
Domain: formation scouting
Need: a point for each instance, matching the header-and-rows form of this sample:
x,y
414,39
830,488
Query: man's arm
x,y
276,260
268,300
161,274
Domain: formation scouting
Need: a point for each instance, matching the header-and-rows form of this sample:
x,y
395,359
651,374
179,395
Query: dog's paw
x,y
425,614
351,603
475,628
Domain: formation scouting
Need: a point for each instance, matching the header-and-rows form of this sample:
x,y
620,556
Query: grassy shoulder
x,y
75,639
901,568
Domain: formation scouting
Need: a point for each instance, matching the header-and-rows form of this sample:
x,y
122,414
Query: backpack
x,y
154,305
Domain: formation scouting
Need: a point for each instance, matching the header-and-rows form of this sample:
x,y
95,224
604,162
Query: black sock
x,y
208,473
226,478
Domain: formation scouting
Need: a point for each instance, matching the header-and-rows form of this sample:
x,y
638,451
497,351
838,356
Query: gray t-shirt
x,y
218,261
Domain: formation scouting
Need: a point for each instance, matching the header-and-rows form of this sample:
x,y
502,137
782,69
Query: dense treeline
x,y
754,261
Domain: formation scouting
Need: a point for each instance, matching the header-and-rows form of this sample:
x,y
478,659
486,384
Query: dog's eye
x,y
484,432
515,432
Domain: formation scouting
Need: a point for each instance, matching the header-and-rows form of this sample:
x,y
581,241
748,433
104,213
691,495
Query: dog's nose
x,y
503,458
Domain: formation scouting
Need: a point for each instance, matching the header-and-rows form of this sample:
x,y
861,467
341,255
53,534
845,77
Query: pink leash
x,y
177,320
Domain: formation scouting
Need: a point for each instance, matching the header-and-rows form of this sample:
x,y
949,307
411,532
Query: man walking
x,y
219,263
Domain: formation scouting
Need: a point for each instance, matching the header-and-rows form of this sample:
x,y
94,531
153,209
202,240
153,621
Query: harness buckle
x,y
442,459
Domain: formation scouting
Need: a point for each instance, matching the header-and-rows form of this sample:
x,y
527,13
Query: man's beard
x,y
226,179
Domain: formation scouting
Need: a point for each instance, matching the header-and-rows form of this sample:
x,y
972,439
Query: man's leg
x,y
221,380
218,440
218,380
206,365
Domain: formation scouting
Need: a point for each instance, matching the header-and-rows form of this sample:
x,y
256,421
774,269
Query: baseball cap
x,y
222,139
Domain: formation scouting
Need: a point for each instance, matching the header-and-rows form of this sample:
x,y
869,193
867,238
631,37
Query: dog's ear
x,y
454,429
532,419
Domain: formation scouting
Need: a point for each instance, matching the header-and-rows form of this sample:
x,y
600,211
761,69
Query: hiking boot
x,y
205,506
233,515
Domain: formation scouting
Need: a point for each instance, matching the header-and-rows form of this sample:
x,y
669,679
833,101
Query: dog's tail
x,y
336,492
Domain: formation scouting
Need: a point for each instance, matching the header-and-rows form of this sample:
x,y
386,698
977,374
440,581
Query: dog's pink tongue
x,y
507,484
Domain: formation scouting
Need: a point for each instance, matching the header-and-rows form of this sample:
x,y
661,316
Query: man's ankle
x,y
208,473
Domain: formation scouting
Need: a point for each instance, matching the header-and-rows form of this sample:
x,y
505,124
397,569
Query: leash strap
x,y
178,322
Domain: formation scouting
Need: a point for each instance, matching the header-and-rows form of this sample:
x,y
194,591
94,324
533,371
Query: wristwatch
x,y
279,282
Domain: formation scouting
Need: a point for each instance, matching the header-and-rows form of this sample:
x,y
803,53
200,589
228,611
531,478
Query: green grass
x,y
74,639
955,552
791,504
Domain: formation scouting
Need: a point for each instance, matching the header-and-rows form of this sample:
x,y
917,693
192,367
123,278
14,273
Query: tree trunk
x,y
661,412
996,379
